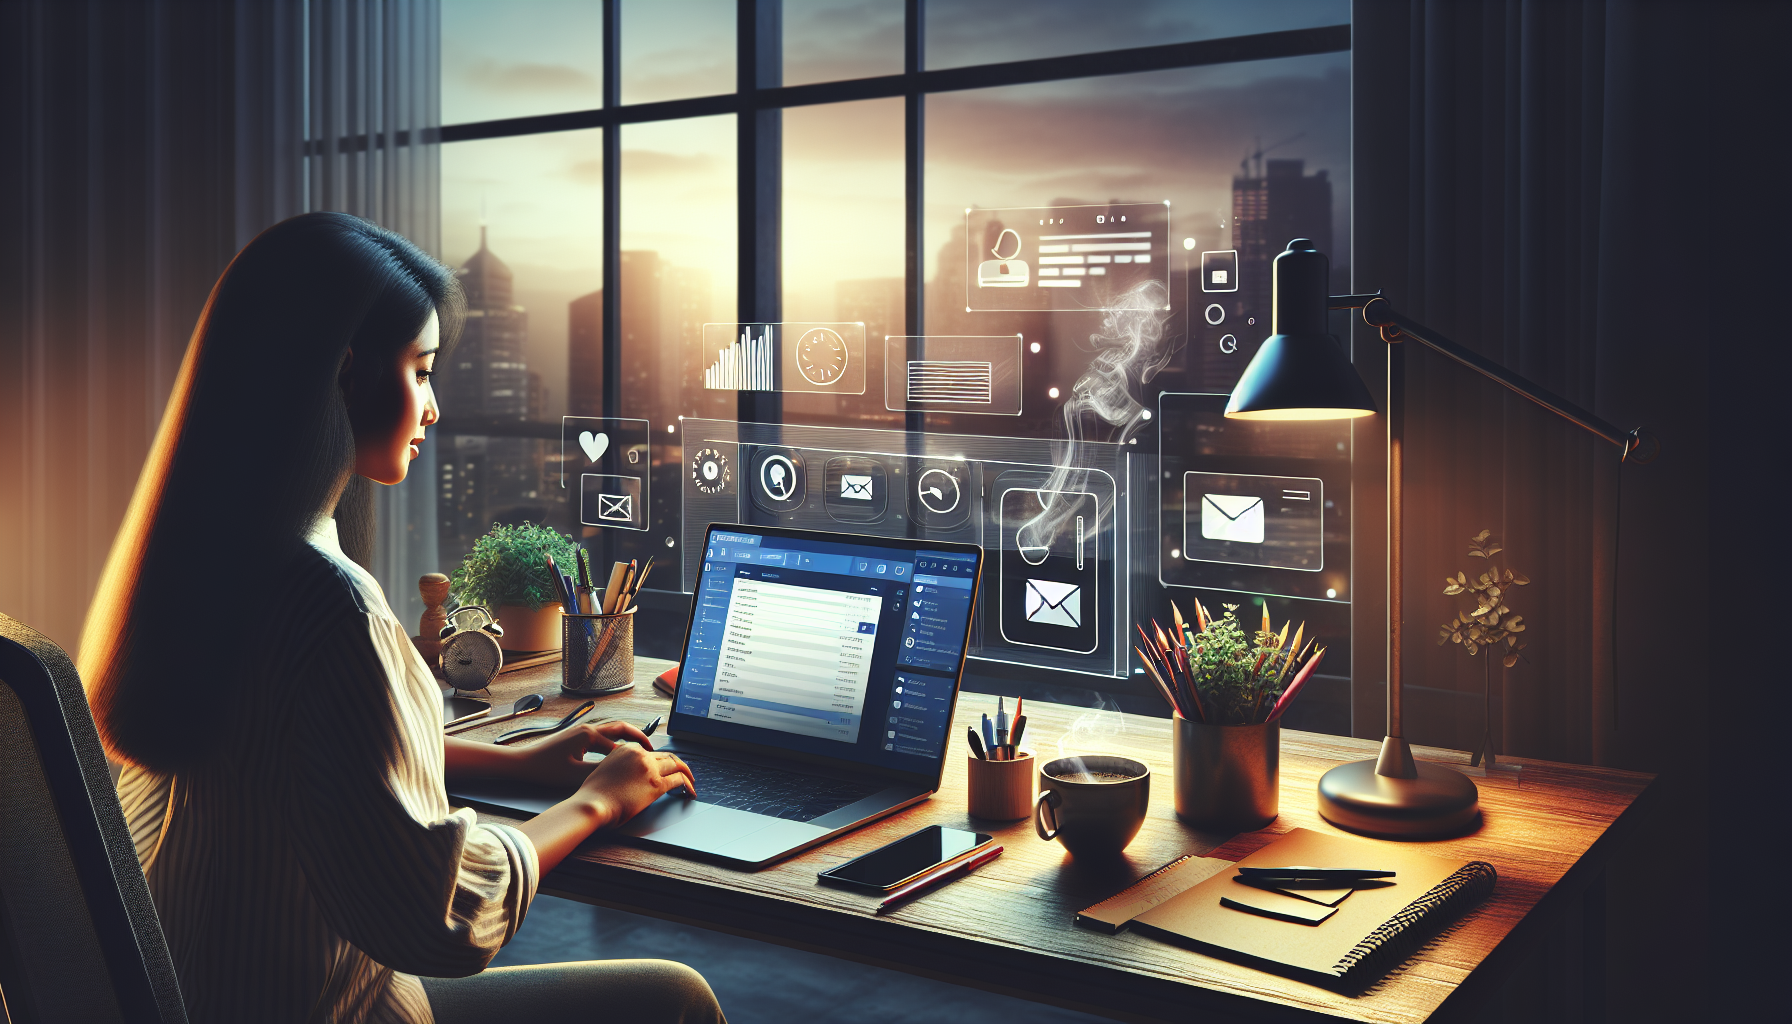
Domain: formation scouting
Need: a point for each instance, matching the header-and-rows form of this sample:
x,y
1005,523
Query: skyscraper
x,y
485,473
585,355
1267,212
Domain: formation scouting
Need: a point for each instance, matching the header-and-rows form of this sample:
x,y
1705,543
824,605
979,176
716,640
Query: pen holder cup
x,y
1000,790
1227,776
597,654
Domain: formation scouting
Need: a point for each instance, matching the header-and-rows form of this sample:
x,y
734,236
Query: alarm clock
x,y
471,656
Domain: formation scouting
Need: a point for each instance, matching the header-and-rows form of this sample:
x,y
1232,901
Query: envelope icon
x,y
1236,517
1052,603
855,487
618,507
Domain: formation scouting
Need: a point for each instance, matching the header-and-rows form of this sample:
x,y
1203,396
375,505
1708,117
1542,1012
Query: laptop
x,y
817,686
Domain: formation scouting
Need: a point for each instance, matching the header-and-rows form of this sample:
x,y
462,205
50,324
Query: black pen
x,y
976,744
1304,873
654,726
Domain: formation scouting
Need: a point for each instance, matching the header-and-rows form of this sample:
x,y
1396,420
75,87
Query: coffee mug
x,y
1096,807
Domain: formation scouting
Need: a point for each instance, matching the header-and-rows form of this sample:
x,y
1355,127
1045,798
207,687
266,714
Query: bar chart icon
x,y
749,364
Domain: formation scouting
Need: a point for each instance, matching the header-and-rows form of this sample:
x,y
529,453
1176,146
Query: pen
x,y
937,879
1020,726
1001,724
565,587
654,726
1304,871
989,737
976,744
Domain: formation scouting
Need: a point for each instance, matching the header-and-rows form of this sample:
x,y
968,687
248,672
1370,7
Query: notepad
x,y
1173,879
1353,943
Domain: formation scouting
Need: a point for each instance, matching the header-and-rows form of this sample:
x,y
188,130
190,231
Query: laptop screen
x,y
843,646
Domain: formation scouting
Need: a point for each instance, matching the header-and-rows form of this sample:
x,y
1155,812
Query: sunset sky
x,y
1171,135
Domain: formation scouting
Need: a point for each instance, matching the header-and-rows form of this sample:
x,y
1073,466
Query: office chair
x,y
79,937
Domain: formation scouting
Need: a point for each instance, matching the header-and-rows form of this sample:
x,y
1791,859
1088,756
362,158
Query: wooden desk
x,y
1008,927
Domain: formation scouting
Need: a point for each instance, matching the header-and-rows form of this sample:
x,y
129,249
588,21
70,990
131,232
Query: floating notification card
x,y
953,373
1251,519
1050,579
607,460
817,357
1255,507
1063,257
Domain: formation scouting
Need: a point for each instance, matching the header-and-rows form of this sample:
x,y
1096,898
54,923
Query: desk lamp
x,y
1301,373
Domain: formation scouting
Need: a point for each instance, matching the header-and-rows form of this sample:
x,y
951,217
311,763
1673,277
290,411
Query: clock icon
x,y
821,356
709,471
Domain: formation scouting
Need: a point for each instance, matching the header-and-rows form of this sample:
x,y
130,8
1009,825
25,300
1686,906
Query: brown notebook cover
x,y
1369,931
1173,879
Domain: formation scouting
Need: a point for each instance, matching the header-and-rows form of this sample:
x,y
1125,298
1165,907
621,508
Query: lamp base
x,y
1434,803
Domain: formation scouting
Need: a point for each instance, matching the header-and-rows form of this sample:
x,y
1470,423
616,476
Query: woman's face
x,y
390,404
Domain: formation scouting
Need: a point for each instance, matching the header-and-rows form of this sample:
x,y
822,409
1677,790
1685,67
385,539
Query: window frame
x,y
758,101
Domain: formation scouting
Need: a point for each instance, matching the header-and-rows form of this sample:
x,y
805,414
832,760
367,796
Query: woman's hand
x,y
631,777
560,761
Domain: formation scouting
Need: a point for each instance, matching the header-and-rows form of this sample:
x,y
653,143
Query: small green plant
x,y
1491,623
509,565
1215,672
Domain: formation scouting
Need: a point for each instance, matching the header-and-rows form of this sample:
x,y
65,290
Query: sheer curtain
x,y
141,145
373,102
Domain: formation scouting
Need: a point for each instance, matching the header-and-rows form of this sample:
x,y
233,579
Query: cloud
x,y
530,78
640,163
587,172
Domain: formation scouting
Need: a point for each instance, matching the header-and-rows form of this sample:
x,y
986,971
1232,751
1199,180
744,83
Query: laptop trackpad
x,y
723,831
776,839
669,811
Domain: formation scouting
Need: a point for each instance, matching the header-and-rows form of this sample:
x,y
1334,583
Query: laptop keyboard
x,y
770,791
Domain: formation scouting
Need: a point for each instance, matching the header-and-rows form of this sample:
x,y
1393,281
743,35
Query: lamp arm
x,y
1637,445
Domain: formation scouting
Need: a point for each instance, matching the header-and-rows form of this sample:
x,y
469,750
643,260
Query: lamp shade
x,y
1300,372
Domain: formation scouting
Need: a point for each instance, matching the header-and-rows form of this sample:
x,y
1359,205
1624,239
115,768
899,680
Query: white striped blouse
x,y
313,867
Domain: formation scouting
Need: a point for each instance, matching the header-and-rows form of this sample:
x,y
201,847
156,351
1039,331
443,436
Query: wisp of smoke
x,y
1129,345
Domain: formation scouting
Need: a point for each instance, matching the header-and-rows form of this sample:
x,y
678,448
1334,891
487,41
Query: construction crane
x,y
1244,166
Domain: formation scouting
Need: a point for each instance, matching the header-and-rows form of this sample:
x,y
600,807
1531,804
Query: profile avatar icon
x,y
1005,271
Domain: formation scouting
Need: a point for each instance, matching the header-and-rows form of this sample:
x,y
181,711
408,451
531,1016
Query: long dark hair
x,y
254,446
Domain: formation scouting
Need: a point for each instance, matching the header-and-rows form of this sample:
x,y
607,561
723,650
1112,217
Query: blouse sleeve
x,y
419,887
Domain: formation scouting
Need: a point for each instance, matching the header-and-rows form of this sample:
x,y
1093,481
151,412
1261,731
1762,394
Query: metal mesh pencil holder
x,y
597,654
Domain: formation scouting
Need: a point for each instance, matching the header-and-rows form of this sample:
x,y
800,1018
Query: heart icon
x,y
594,444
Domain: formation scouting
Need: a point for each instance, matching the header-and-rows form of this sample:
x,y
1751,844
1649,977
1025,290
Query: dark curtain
x,y
141,145
1519,190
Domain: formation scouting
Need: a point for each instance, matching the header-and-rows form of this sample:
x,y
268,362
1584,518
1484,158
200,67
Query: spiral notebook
x,y
1345,942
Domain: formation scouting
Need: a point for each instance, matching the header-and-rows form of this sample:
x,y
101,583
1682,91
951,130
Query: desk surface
x,y
1008,927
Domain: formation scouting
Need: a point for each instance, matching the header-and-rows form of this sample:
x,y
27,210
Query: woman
x,y
281,738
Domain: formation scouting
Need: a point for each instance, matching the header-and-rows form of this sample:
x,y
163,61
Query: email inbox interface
x,y
828,644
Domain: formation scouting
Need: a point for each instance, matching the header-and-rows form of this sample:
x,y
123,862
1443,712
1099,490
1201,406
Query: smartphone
x,y
456,709
898,863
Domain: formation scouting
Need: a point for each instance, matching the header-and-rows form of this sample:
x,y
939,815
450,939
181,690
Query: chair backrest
x,y
79,938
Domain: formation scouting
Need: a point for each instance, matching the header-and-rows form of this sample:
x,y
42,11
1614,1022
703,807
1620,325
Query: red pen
x,y
937,879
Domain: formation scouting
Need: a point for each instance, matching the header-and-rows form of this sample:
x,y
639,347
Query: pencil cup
x,y
1000,790
1227,776
597,654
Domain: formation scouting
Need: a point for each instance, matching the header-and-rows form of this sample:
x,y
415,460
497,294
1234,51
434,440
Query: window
x,y
996,291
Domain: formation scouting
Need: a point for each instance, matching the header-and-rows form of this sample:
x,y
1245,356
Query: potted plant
x,y
507,572
1228,687
1489,627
